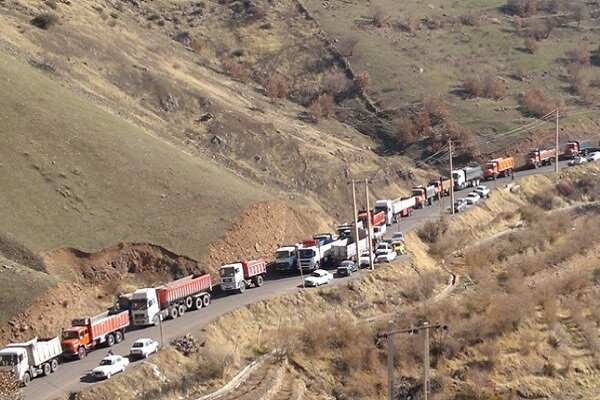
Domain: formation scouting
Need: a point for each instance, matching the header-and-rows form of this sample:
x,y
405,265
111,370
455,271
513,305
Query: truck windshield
x,y
8,360
489,166
227,272
138,305
381,208
70,335
307,253
455,176
282,254
571,145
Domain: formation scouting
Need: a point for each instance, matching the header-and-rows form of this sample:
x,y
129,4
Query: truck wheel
x,y
206,300
174,313
189,302
110,340
198,303
242,286
46,369
259,281
181,310
81,353
26,379
118,336
53,365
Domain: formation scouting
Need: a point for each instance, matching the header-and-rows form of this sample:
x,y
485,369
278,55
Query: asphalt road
x,y
72,376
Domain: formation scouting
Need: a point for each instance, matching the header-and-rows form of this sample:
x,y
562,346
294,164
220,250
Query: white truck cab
x,y
232,276
145,309
14,359
30,359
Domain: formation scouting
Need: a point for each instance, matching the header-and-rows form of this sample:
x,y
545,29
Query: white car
x,y
483,191
364,260
142,348
318,277
577,161
472,198
388,255
397,236
110,366
595,156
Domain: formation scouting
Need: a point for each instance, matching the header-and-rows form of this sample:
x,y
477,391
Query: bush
x,y
536,102
235,70
470,20
406,132
277,86
545,200
432,230
362,82
539,29
565,189
438,110
531,44
579,54
44,20
522,8
487,85
323,106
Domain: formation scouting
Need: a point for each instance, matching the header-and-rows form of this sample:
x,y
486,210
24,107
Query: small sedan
x,y
397,236
577,161
595,156
460,205
346,268
365,259
483,191
142,348
472,198
388,256
318,277
110,366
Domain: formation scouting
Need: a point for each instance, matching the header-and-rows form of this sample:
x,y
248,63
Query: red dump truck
x,y
537,157
502,166
151,305
239,275
377,217
88,333
578,148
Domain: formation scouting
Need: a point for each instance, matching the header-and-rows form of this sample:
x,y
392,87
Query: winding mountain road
x,y
72,376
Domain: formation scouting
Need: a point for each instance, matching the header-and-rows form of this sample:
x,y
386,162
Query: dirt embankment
x,y
90,282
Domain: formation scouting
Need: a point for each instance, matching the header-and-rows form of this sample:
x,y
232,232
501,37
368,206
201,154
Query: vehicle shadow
x,y
88,379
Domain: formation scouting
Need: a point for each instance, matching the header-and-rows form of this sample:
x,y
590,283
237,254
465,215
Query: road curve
x,y
71,376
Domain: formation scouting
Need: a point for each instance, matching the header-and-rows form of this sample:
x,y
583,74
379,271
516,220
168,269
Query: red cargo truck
x,y
537,157
88,333
502,166
239,275
150,305
377,217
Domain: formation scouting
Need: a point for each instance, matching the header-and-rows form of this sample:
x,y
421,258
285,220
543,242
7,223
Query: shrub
x,y
362,82
277,86
323,106
422,121
235,70
579,54
531,44
44,20
336,83
470,20
522,8
487,85
521,73
536,102
545,200
566,189
539,29
406,132
432,230
438,110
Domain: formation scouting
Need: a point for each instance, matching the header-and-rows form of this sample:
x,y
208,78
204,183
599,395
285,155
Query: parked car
x,y
577,161
397,236
388,256
142,348
364,259
472,198
318,277
110,366
460,205
346,268
595,156
483,191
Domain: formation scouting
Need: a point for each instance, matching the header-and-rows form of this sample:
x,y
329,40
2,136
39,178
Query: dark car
x,y
346,268
460,205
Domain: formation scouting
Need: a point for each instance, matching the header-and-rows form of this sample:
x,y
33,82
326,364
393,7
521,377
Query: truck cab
x,y
75,338
385,206
285,258
14,359
232,276
145,308
310,257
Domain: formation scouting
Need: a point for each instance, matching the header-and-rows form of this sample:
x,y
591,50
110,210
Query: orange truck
x,y
442,186
88,333
497,167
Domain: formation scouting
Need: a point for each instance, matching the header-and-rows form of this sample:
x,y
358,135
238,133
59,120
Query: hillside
x,y
518,289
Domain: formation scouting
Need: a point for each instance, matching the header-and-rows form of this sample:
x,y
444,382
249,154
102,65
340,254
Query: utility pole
x,y
389,335
556,167
451,177
369,226
300,266
356,237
